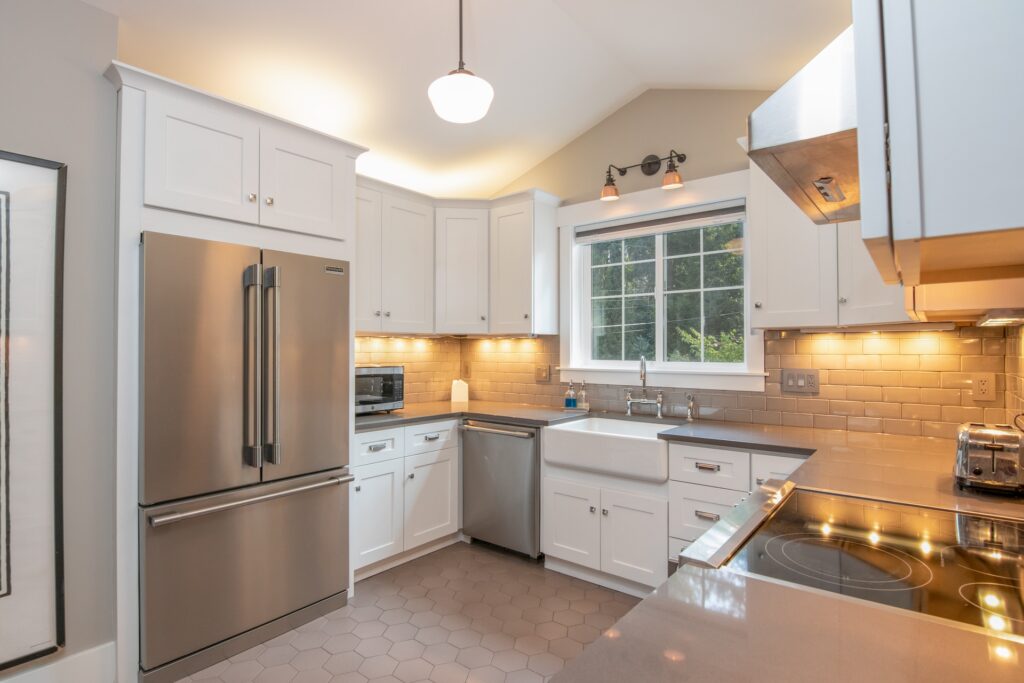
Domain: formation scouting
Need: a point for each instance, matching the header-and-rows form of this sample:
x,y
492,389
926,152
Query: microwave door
x,y
198,403
306,364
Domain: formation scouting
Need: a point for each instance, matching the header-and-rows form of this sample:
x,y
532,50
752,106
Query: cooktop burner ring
x,y
1010,557
910,572
1002,589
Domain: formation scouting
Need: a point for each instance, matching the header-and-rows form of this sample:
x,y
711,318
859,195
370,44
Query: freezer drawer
x,y
216,566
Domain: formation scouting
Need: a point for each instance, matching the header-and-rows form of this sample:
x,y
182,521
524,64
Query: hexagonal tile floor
x,y
463,613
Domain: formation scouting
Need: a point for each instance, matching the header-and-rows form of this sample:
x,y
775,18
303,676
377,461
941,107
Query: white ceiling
x,y
359,69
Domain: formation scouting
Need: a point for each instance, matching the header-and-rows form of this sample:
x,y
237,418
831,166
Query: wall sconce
x,y
650,165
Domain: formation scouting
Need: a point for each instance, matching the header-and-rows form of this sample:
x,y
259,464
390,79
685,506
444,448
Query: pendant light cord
x,y
462,64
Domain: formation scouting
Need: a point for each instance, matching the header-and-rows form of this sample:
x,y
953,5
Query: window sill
x,y
739,380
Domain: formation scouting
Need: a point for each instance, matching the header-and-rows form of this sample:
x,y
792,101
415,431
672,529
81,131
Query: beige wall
x,y
58,106
703,124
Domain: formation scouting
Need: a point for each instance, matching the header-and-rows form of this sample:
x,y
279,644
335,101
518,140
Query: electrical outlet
x,y
542,373
467,369
800,381
983,386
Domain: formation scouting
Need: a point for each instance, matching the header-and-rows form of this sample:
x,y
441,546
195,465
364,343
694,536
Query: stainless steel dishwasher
x,y
501,485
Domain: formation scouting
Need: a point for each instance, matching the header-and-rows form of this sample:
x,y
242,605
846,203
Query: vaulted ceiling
x,y
359,69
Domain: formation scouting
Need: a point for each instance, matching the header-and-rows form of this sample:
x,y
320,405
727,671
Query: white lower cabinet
x,y
693,509
611,531
431,496
377,505
632,531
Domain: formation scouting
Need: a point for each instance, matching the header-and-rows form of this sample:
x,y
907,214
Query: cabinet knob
x,y
377,313
358,489
526,316
843,300
604,511
593,509
757,304
252,196
483,317
412,475
387,314
270,201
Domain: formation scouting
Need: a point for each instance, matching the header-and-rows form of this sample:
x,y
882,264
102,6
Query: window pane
x,y
639,341
606,312
639,309
639,278
607,343
682,273
725,236
639,248
723,326
682,326
724,269
682,242
604,253
606,280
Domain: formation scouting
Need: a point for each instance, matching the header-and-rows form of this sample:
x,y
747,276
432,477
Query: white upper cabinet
x,y
368,316
807,275
793,281
304,182
210,157
407,291
202,157
462,261
524,267
941,79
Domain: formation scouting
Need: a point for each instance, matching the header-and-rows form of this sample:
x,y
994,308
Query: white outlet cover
x,y
983,386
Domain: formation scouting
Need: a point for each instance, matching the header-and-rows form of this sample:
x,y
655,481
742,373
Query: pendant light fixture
x,y
650,165
461,96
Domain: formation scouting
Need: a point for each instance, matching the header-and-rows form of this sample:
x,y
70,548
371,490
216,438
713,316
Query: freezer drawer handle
x,y
710,516
707,467
503,432
172,517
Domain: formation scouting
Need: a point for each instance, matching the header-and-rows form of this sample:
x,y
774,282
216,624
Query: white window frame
x,y
575,311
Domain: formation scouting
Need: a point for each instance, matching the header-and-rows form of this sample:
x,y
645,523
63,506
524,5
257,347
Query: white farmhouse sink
x,y
623,448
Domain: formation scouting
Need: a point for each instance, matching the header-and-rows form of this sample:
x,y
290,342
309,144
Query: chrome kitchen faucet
x,y
643,400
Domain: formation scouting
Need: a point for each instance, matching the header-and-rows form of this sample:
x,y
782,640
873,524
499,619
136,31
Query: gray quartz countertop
x,y
725,625
508,413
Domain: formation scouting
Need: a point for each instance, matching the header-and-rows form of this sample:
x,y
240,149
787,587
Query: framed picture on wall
x,y
32,197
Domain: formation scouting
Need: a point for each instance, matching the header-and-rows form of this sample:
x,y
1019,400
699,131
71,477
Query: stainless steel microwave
x,y
379,388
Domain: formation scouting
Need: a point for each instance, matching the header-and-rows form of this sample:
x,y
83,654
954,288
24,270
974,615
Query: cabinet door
x,y
408,254
764,467
570,523
366,268
864,299
376,512
633,533
462,270
512,269
305,183
792,261
202,156
431,496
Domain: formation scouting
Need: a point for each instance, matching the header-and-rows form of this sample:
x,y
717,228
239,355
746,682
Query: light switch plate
x,y
467,369
983,386
542,373
800,381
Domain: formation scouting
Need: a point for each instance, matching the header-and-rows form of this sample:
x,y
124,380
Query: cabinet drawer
x,y
693,509
432,436
676,546
709,466
764,467
378,446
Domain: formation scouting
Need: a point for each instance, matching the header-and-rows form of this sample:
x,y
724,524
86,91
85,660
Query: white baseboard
x,y
96,665
637,590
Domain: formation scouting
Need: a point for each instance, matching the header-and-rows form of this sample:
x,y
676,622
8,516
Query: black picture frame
x,y
58,403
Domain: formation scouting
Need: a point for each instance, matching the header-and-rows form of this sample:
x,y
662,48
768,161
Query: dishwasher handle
x,y
491,430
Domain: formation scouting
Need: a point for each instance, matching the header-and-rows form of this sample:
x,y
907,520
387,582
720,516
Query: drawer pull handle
x,y
707,467
760,481
710,516
377,447
431,437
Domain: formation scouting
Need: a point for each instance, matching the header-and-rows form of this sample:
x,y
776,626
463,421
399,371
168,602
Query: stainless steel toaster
x,y
990,457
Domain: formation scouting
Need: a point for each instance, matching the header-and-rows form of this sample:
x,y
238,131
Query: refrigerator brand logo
x,y
334,270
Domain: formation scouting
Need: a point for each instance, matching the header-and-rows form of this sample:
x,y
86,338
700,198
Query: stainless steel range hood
x,y
805,135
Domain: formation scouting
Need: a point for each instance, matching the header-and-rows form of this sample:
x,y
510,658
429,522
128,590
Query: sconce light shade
x,y
609,193
672,179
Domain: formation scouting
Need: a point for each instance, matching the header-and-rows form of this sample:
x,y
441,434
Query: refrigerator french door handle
x,y
272,359
253,284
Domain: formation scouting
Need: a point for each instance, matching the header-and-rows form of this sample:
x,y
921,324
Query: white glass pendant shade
x,y
461,96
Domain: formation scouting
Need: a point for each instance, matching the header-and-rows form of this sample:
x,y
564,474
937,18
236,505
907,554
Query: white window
x,y
670,290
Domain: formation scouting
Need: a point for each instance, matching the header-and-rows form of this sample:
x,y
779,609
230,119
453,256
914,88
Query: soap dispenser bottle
x,y
570,396
582,402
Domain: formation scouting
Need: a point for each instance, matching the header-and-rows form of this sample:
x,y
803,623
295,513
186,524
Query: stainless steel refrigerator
x,y
243,496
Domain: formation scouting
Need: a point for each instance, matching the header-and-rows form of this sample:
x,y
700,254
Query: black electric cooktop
x,y
968,568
